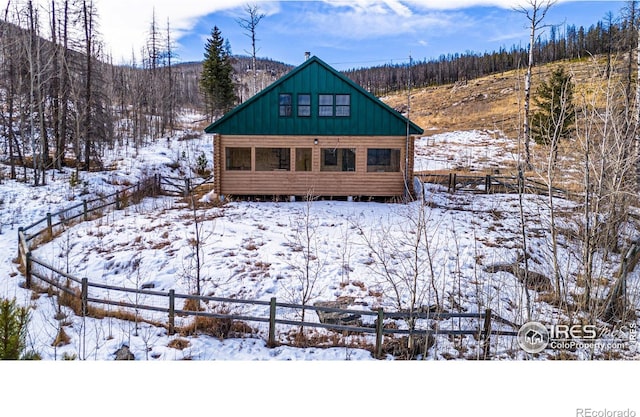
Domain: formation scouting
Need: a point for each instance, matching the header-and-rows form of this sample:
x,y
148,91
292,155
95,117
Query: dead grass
x,y
62,339
212,326
314,338
72,299
179,344
192,304
493,102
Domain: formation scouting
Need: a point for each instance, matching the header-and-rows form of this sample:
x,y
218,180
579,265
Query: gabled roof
x,y
259,115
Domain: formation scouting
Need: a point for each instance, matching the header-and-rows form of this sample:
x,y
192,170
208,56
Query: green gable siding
x,y
260,114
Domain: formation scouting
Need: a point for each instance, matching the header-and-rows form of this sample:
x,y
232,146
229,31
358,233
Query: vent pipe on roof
x,y
307,55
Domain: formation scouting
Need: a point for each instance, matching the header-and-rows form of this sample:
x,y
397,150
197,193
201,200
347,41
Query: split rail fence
x,y
488,184
91,294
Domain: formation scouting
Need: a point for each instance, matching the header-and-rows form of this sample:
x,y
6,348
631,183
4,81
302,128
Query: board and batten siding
x,y
315,182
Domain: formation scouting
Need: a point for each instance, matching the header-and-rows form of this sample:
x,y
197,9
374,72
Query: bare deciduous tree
x,y
249,24
402,257
309,258
535,14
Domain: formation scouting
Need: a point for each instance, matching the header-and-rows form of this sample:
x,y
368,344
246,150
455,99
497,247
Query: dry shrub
x,y
122,314
61,339
241,328
399,347
179,344
563,355
192,304
375,293
212,326
359,284
160,245
71,298
313,338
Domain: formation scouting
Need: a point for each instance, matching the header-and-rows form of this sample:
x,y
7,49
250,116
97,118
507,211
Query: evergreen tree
x,y
13,329
554,117
216,82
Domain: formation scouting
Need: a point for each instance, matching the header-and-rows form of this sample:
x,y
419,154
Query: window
x,y
303,159
383,160
285,105
338,160
238,159
343,105
273,159
329,158
325,105
304,105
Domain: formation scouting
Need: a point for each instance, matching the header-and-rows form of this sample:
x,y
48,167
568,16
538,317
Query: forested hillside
x,y
64,101
612,36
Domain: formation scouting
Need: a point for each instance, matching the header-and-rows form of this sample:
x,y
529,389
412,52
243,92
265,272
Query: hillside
x,y
492,102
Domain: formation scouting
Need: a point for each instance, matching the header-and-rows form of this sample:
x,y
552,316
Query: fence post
x,y
186,187
49,225
172,312
486,339
84,295
27,270
487,184
521,181
20,234
85,210
379,328
117,200
450,182
272,323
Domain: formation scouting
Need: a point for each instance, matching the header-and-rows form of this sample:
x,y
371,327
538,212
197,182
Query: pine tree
x,y
13,328
554,117
216,82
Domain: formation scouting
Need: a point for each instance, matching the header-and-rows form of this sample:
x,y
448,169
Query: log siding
x,y
314,182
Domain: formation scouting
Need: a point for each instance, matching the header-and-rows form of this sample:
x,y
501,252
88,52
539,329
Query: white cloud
x,y
124,24
364,19
461,4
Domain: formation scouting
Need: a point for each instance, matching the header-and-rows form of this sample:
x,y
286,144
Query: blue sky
x,y
368,33
345,34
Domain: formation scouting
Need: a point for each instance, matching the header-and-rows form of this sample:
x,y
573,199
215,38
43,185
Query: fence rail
x,y
82,290
488,184
181,187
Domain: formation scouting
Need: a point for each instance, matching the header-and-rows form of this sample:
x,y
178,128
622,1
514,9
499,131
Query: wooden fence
x,y
91,294
487,184
181,187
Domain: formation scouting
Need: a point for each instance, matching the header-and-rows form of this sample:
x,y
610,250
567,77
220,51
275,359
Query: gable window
x,y
304,105
383,160
343,105
325,105
285,105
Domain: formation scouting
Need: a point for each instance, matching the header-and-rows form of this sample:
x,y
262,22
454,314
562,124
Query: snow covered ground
x,y
468,150
250,251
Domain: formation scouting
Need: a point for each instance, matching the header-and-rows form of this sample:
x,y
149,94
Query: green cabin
x,y
313,132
